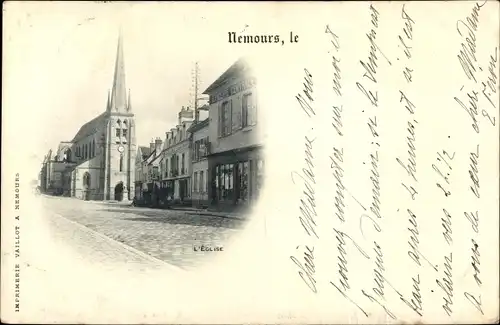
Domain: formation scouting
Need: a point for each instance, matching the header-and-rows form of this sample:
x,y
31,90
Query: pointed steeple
x,y
129,103
108,104
119,92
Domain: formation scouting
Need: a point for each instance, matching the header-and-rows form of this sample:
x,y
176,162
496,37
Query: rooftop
x,y
239,67
198,126
89,127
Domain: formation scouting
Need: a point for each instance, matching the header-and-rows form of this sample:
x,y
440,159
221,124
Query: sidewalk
x,y
202,212
187,209
206,212
111,202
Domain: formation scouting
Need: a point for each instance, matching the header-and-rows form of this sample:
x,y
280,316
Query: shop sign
x,y
233,89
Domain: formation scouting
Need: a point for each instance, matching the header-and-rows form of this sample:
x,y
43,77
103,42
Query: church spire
x,y
108,104
119,92
129,103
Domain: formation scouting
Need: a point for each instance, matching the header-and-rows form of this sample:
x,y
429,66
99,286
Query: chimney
x,y
158,143
185,115
172,134
152,145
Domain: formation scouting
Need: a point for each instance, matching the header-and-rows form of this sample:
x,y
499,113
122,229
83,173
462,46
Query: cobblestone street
x,y
166,235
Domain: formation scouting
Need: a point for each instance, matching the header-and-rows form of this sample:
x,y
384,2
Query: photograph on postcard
x,y
239,162
196,179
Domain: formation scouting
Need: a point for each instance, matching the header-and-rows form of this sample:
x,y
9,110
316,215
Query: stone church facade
x,y
99,163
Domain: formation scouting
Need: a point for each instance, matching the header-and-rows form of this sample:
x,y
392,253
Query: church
x,y
99,162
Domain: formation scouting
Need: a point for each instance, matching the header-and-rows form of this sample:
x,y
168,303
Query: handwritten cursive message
x,y
306,177
480,85
392,177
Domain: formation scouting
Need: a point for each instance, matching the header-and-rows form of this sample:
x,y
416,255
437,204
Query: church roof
x,y
240,66
62,145
89,127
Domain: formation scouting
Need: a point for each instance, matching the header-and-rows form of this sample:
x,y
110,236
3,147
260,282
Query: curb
x,y
126,247
209,213
216,215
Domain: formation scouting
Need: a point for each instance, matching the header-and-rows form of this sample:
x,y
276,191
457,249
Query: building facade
x,y
141,171
55,175
200,144
235,163
153,173
175,166
100,160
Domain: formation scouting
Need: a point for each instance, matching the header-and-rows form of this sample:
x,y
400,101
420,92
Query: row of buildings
x,y
211,157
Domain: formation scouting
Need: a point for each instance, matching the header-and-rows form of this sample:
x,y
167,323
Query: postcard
x,y
250,162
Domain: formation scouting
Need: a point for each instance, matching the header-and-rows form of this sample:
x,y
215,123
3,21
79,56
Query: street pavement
x,y
147,236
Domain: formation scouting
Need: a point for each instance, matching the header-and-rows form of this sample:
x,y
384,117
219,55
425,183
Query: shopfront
x,y
236,177
167,190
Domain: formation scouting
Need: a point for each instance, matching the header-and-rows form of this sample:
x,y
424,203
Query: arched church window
x,y
121,163
93,147
124,129
67,155
85,151
118,128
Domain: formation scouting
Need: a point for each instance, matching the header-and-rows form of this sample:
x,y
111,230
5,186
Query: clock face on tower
x,y
120,149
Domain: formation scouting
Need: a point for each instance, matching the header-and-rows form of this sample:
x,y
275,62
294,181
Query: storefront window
x,y
259,177
225,182
243,168
216,181
202,182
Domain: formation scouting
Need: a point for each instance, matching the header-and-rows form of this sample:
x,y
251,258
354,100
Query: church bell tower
x,y
120,143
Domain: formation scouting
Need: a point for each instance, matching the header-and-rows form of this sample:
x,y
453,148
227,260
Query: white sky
x,y
59,64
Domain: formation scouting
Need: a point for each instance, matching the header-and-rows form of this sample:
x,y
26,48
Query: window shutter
x,y
219,128
252,109
230,120
236,118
